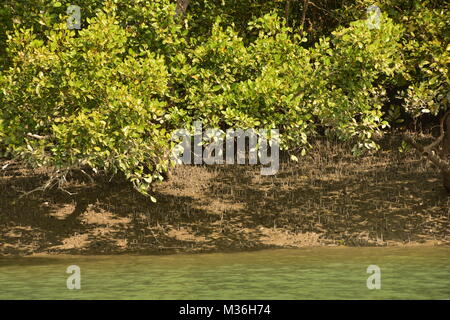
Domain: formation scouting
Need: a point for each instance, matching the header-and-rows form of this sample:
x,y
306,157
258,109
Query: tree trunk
x,y
445,130
287,11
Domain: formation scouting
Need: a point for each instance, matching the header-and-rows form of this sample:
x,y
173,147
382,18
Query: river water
x,y
313,273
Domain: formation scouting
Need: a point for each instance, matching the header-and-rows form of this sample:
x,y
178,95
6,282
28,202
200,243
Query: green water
x,y
316,273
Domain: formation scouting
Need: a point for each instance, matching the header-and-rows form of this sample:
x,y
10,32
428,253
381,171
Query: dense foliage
x,y
108,96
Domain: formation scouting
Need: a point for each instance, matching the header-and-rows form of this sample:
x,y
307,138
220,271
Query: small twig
x,y
36,136
66,191
88,175
61,182
44,187
320,8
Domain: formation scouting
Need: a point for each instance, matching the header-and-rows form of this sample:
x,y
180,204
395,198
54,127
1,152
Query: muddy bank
x,y
329,198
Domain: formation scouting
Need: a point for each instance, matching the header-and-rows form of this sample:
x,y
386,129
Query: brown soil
x,y
328,198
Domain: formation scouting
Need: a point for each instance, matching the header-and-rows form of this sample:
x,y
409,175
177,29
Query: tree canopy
x,y
109,94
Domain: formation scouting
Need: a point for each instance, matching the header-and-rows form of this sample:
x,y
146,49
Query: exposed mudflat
x,y
328,198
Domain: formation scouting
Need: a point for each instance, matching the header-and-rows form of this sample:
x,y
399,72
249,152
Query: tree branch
x,y
429,153
181,7
36,136
305,9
